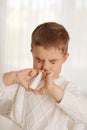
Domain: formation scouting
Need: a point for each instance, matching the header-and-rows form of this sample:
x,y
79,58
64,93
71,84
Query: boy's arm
x,y
9,78
74,104
68,99
12,79
6,96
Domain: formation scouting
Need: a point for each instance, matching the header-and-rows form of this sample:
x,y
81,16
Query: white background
x,y
18,18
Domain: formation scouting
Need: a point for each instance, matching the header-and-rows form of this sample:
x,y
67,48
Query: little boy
x,y
56,104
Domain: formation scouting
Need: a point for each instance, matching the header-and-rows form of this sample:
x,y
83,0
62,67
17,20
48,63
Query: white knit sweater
x,y
40,112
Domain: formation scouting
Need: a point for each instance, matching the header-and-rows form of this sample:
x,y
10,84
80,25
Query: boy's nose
x,y
45,66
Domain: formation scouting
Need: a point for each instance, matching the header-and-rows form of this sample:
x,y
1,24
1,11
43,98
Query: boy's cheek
x,y
56,76
35,65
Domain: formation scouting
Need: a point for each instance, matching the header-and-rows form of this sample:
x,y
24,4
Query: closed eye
x,y
53,61
38,60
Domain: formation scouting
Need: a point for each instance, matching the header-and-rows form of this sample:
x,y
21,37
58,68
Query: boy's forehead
x,y
41,52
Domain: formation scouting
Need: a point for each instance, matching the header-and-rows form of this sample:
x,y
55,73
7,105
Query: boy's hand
x,y
50,88
21,77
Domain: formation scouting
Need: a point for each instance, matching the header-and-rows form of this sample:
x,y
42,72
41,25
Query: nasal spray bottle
x,y
36,81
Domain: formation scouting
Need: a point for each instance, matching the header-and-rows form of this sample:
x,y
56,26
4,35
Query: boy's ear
x,y
31,50
65,57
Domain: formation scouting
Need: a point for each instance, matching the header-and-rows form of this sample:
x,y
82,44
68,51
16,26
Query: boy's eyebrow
x,y
54,59
48,59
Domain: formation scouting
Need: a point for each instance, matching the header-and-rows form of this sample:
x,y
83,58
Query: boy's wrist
x,y
58,93
9,78
15,77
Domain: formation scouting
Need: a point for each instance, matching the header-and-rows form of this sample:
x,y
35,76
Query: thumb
x,y
25,84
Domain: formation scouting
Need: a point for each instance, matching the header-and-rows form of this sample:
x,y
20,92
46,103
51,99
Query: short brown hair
x,y
50,34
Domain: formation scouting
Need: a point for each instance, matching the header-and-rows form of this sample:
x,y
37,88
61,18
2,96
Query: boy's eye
x,y
38,60
53,62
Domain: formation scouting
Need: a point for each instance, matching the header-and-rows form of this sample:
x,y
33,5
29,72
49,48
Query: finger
x,y
44,74
27,78
31,75
25,84
33,72
49,77
26,71
36,92
29,89
41,91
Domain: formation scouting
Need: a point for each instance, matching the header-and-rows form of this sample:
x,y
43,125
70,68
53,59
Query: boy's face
x,y
48,60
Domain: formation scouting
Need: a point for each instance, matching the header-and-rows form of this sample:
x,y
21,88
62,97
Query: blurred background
x,y
18,18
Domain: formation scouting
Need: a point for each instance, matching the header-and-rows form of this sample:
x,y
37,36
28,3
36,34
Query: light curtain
x,y
18,18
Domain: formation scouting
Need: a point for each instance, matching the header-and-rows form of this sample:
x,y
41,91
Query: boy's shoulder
x,y
63,82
